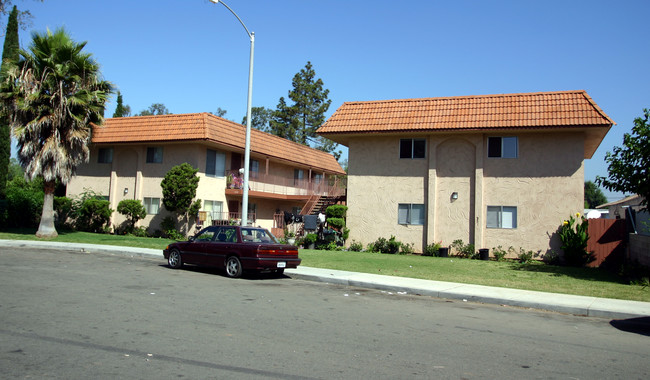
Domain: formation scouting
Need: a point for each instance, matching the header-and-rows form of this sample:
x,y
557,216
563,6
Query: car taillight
x,y
277,252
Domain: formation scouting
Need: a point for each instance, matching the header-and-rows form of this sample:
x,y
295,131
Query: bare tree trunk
x,y
46,229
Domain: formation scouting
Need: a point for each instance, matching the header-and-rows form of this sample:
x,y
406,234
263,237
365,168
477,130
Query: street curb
x,y
562,303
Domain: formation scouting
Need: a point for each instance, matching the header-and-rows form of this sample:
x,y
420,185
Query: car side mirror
x,y
191,239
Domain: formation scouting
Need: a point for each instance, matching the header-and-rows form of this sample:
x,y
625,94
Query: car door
x,y
224,243
198,248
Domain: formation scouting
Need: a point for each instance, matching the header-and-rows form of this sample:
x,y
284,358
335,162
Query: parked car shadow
x,y
639,325
222,273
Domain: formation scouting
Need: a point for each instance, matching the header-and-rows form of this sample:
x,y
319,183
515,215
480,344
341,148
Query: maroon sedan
x,y
234,248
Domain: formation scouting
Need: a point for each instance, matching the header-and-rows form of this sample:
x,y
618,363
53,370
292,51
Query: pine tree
x,y
121,110
298,122
9,56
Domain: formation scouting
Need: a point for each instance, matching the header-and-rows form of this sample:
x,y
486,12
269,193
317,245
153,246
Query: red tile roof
x,y
564,109
208,127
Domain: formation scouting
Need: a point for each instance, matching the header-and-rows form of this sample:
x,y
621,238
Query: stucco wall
x,y
130,171
545,183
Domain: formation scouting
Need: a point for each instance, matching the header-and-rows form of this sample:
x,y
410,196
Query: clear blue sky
x,y
192,55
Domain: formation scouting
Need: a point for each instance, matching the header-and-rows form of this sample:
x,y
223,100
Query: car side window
x,y
227,235
206,235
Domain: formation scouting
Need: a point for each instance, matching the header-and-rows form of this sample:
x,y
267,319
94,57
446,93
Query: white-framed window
x,y
154,155
105,155
410,213
502,217
215,163
152,205
214,211
412,148
503,147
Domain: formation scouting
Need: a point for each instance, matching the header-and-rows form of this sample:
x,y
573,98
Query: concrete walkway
x,y
563,303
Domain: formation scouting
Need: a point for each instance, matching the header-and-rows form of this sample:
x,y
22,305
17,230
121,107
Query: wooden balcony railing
x,y
333,186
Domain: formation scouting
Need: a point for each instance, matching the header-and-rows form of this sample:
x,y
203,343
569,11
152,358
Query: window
x,y
215,163
154,155
502,147
105,156
318,178
298,176
152,205
501,217
254,169
214,211
412,148
410,213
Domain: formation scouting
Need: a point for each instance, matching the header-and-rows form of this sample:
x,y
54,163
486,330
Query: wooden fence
x,y
607,241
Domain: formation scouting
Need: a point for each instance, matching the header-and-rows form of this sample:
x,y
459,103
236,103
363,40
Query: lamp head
x,y
214,1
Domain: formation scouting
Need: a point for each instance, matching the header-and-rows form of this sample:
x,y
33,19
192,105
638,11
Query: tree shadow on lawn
x,y
586,274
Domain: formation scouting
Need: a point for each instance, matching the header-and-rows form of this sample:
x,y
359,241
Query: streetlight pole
x,y
247,147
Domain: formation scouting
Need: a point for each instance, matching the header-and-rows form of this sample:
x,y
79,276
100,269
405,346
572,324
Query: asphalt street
x,y
72,314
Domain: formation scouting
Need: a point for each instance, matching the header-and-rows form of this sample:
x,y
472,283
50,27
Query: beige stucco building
x,y
495,170
130,156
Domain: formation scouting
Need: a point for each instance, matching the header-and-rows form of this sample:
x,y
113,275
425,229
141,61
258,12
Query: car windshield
x,y
257,235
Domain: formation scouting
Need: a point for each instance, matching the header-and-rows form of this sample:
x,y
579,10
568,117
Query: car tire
x,y
233,267
175,260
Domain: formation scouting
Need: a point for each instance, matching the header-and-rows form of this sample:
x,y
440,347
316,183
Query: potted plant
x,y
291,237
309,241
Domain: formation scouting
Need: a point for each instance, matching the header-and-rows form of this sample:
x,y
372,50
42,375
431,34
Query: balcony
x,y
276,187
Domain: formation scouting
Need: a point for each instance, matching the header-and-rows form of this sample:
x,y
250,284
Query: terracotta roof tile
x,y
205,126
563,109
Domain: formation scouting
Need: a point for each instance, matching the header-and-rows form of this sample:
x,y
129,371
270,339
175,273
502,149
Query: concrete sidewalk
x,y
563,303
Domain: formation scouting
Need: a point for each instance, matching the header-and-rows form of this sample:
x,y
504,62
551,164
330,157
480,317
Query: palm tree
x,y
52,96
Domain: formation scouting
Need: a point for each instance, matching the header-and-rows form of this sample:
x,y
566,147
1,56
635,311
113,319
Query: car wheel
x,y
233,267
175,261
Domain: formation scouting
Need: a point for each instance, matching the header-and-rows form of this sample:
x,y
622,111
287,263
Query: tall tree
x,y
121,110
593,195
24,17
179,189
260,118
155,109
10,56
283,122
52,96
298,122
629,165
220,112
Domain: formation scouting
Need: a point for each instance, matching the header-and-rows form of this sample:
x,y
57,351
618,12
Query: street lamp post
x,y
247,147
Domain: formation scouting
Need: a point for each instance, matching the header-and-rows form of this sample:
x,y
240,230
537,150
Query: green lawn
x,y
537,276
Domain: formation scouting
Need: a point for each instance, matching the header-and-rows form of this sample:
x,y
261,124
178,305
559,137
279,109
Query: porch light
x,y
454,195
247,148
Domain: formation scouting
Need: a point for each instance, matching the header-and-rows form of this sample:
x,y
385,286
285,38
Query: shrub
x,y
464,250
499,253
168,226
356,247
24,204
574,237
336,223
382,245
336,211
432,249
92,214
526,256
393,245
406,249
310,239
133,210
63,209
